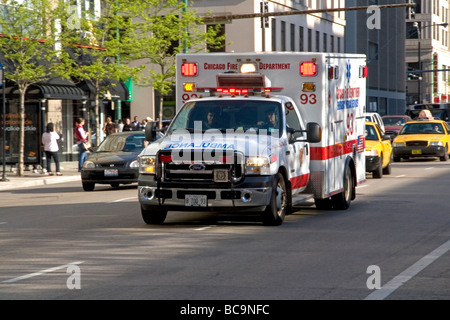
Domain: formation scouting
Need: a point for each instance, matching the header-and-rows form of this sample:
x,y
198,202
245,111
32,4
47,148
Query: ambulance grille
x,y
204,171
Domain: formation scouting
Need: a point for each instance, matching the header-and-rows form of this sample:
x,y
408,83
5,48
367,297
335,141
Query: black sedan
x,y
114,161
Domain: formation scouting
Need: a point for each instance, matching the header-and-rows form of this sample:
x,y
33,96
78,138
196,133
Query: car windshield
x,y
422,128
371,133
226,114
393,121
120,142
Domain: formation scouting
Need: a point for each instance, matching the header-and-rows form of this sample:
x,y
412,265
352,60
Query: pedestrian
x,y
81,136
110,126
121,124
137,126
128,125
50,141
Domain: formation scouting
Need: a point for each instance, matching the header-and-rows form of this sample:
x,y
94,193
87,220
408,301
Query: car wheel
x,y
396,159
341,201
445,156
388,169
276,210
153,214
88,186
378,172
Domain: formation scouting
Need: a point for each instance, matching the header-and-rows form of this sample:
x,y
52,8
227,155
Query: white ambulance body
x,y
327,89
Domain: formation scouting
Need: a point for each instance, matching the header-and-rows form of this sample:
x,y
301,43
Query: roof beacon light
x,y
189,69
248,67
308,69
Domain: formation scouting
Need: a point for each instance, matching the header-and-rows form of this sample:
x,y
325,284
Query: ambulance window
x,y
293,122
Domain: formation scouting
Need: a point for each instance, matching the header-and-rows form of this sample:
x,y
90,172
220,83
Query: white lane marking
x,y
429,168
203,228
363,186
400,176
120,200
409,273
3,222
39,273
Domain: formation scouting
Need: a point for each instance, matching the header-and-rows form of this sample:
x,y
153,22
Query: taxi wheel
x,y
445,156
388,169
153,214
276,210
378,172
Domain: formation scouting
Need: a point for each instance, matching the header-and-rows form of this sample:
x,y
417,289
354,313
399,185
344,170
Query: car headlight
x,y
371,153
89,165
436,143
257,165
134,164
147,164
399,144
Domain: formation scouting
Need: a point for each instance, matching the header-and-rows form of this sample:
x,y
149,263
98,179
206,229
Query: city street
x,y
398,226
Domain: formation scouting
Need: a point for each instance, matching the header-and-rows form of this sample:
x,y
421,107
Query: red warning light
x,y
308,69
189,69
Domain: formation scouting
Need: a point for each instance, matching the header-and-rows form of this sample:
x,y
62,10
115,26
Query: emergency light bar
x,y
238,90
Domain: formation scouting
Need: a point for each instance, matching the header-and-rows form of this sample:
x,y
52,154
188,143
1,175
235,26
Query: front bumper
x,y
101,176
417,152
372,163
252,192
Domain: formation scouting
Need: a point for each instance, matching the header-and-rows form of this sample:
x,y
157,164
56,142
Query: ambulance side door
x,y
298,151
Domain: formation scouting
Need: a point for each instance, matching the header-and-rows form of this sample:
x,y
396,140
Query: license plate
x,y
195,200
111,172
416,151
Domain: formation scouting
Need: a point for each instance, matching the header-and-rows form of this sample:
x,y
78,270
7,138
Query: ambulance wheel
x,y
323,204
341,201
276,210
445,156
153,214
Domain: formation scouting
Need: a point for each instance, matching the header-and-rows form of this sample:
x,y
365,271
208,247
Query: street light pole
x,y
4,122
419,67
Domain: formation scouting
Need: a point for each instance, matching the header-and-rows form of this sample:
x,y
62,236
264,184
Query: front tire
x,y
445,156
276,210
88,186
153,214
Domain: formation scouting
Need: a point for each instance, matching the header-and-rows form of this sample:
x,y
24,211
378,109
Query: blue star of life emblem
x,y
348,70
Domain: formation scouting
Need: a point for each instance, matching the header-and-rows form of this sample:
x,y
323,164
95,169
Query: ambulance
x,y
259,133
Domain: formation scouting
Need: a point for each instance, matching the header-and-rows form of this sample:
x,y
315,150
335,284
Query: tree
x,y
97,46
26,42
166,29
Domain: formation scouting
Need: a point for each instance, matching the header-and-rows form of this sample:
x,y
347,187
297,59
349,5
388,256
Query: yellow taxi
x,y
424,137
378,151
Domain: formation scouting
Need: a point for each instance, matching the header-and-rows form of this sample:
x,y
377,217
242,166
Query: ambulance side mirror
x,y
313,132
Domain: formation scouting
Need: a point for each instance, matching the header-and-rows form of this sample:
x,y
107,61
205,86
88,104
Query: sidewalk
x,y
68,169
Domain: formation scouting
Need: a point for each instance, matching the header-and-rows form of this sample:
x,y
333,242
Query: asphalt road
x,y
59,242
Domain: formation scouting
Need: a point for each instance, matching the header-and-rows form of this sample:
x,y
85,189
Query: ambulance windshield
x,y
261,116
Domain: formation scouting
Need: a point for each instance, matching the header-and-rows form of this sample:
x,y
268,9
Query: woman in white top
x,y
50,142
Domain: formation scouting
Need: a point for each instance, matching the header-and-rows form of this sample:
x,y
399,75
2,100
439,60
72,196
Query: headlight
x,y
257,165
134,164
371,153
436,143
399,144
147,164
89,165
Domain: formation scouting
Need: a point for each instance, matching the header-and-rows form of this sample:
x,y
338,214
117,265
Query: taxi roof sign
x,y
425,115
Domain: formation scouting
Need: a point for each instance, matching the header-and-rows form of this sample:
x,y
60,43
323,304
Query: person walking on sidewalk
x,y
50,141
81,135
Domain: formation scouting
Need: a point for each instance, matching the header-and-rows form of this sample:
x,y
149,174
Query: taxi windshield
x,y
371,133
422,128
261,116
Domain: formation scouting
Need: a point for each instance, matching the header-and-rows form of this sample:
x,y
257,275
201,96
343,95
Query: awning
x,y
58,89
109,90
